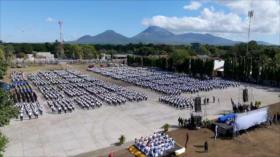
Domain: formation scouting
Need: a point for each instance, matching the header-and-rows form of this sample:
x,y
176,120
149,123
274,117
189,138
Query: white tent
x,y
246,120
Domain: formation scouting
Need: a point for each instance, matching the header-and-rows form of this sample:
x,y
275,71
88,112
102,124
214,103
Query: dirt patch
x,y
256,143
274,109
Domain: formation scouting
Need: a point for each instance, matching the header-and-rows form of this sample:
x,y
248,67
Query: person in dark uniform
x,y
187,140
206,146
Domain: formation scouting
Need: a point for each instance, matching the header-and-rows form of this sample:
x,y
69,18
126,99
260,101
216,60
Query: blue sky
x,y
26,21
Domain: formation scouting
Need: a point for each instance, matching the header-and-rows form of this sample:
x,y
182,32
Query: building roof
x,y
42,52
120,55
203,56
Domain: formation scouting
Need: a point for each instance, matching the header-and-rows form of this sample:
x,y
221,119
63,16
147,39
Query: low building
x,y
120,58
203,57
30,57
44,55
105,57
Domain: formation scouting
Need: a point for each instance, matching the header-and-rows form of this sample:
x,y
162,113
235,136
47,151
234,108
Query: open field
x,y
87,130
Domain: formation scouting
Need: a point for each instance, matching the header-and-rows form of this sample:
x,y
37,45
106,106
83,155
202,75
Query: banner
x,y
246,120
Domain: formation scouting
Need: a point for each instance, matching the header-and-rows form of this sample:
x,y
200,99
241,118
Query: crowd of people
x,y
66,88
163,81
155,145
177,101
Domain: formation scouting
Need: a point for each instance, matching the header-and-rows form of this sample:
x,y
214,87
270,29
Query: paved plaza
x,y
87,130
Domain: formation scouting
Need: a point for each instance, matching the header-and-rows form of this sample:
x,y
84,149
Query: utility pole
x,y
61,53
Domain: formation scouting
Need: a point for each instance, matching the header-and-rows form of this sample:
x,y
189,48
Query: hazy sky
x,y
36,21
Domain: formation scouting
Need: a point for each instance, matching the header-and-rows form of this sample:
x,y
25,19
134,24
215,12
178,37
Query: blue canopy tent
x,y
226,117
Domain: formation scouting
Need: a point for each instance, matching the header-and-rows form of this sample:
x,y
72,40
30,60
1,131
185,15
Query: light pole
x,y
60,23
250,15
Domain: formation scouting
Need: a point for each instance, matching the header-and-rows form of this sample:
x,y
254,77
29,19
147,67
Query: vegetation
x,y
7,107
3,143
71,51
182,63
207,123
166,127
258,104
261,64
122,139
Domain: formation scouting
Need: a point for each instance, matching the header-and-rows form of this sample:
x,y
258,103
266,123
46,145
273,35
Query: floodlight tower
x,y
250,15
61,38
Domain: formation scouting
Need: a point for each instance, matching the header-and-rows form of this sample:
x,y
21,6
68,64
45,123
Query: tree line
x,y
260,64
178,62
90,51
71,51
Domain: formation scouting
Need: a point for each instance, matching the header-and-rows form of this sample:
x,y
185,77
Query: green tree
x,y
178,58
2,53
26,48
89,52
77,52
7,108
9,52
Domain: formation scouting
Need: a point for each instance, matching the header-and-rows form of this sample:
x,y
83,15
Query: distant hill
x,y
107,37
204,39
156,35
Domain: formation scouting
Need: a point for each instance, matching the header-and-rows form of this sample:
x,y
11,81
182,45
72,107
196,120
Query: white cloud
x,y
50,19
266,18
192,6
208,21
266,13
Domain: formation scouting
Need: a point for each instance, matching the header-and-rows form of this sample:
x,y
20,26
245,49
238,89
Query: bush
x,y
166,127
122,139
7,109
258,104
3,143
207,123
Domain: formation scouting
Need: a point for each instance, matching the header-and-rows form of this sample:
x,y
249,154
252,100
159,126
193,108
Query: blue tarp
x,y
4,86
226,117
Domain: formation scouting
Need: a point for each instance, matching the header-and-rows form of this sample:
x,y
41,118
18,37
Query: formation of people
x,y
29,110
61,105
155,145
66,88
21,90
177,101
163,81
24,97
